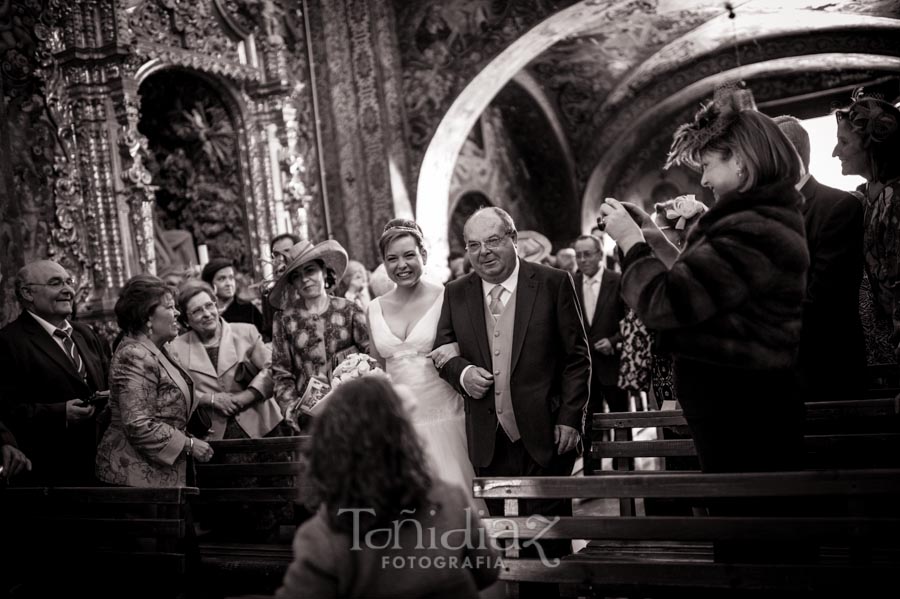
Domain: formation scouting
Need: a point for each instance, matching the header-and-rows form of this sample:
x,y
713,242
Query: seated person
x,y
338,552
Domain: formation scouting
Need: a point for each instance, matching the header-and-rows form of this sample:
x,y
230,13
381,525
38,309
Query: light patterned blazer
x,y
151,400
239,342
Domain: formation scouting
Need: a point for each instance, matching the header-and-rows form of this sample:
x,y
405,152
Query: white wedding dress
x,y
437,410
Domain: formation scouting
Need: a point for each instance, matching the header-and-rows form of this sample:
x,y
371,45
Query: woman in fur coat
x,y
729,306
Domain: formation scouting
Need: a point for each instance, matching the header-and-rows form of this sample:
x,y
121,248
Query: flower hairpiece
x,y
869,117
710,122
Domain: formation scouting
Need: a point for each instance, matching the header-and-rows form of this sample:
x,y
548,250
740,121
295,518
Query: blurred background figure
x,y
354,285
534,247
389,477
219,273
380,283
565,260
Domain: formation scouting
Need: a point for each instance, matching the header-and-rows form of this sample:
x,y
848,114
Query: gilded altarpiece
x,y
77,187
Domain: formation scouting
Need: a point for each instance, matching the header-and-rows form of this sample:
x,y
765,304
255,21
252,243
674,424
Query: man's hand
x,y
77,410
566,438
477,381
13,461
605,347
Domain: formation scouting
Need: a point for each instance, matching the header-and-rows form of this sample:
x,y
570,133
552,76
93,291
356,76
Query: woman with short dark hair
x,y
151,397
366,471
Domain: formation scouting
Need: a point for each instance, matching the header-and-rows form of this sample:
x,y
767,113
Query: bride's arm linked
x,y
373,349
441,355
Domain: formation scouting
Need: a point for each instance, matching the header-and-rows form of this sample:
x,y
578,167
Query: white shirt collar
x,y
598,276
509,284
802,181
49,327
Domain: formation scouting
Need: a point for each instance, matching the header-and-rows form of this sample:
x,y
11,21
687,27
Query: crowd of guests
x,y
778,292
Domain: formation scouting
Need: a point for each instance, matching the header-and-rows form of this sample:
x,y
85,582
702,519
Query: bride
x,y
402,325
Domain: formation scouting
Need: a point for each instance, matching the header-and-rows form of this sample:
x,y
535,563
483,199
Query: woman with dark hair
x,y
868,144
366,471
403,325
728,307
151,397
316,331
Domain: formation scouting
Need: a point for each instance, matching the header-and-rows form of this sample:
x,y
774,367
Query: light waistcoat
x,y
501,337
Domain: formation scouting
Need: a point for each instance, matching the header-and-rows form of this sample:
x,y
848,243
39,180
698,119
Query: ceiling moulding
x,y
650,121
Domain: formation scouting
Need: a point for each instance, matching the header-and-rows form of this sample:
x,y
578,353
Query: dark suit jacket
x,y
36,381
6,437
832,347
610,310
550,362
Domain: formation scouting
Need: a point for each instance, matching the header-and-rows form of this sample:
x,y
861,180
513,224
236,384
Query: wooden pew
x,y
96,541
264,485
849,434
856,541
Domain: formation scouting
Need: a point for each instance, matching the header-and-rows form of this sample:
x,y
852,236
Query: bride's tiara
x,y
405,226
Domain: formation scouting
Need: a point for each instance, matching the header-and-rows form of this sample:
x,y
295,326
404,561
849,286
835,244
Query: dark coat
x,y
609,312
832,347
36,380
550,363
240,311
735,294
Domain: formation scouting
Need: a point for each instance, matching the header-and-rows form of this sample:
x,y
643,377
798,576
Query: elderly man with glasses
x,y
50,372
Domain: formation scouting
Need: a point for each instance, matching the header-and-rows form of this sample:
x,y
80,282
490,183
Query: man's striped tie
x,y
72,352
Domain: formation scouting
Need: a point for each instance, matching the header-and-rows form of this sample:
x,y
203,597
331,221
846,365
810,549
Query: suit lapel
x,y
578,280
475,303
227,351
46,344
526,291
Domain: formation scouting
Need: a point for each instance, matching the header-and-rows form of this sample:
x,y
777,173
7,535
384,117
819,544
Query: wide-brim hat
x,y
533,247
329,252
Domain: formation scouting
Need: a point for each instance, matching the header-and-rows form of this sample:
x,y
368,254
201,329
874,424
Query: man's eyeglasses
x,y
55,283
580,255
491,243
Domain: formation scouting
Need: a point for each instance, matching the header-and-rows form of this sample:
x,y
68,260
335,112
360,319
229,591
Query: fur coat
x,y
735,294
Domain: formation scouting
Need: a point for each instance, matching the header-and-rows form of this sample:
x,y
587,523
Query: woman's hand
x,y
619,224
443,354
201,451
226,404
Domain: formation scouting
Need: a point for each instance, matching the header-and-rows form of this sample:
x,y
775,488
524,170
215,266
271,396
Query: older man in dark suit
x,y
599,295
49,367
524,366
832,347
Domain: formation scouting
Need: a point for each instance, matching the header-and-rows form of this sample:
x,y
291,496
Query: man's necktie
x,y
72,352
496,306
590,301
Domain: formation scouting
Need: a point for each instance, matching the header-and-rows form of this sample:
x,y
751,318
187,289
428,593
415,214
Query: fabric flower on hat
x,y
681,209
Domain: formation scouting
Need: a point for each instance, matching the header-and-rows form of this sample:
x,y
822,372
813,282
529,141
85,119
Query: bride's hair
x,y
363,452
397,228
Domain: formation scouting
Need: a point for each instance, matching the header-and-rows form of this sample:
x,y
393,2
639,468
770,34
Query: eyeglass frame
x,y
199,310
590,254
490,243
70,282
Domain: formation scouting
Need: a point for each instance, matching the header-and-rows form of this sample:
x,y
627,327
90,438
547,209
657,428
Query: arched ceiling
x,y
606,64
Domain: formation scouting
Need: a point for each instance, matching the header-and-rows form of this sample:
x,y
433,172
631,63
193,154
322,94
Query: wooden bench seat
x,y
92,540
249,479
855,538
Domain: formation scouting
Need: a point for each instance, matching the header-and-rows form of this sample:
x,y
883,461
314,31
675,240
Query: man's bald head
x,y
46,289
